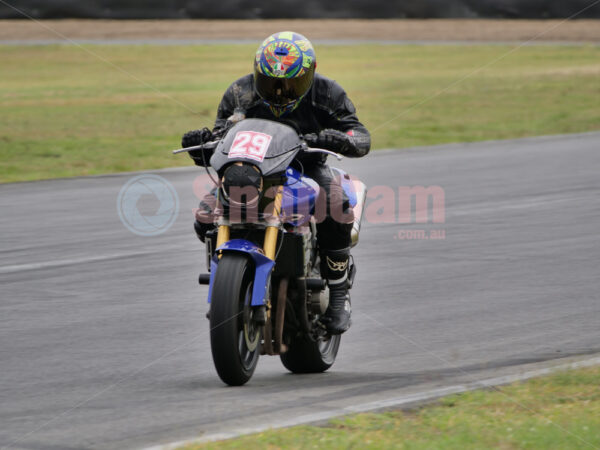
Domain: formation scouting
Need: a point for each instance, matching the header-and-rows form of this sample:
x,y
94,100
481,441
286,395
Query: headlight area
x,y
245,196
240,192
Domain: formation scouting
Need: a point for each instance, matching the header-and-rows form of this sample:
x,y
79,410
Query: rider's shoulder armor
x,y
326,94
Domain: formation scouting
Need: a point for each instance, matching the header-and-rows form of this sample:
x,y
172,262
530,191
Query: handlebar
x,y
207,145
322,150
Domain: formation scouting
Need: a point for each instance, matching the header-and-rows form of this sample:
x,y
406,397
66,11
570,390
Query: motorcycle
x,y
265,288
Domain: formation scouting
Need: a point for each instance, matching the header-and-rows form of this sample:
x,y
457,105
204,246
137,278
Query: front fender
x,y
262,264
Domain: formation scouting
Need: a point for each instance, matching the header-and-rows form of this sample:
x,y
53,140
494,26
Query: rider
x,y
285,88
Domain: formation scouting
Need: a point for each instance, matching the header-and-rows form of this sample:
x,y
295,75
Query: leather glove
x,y
330,139
196,137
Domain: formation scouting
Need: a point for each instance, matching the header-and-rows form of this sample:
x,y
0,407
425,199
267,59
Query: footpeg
x,y
315,284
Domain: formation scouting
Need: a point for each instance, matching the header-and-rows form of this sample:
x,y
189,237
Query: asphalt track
x,y
104,344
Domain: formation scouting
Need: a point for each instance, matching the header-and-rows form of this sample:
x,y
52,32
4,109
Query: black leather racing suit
x,y
325,106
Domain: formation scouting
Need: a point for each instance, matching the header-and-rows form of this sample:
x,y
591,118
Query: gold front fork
x,y
272,231
270,249
271,242
223,235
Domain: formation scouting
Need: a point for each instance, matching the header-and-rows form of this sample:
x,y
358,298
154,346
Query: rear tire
x,y
234,336
306,356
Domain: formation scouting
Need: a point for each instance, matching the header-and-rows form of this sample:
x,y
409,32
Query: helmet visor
x,y
282,91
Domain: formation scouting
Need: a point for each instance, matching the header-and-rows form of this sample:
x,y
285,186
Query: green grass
x,y
556,412
65,112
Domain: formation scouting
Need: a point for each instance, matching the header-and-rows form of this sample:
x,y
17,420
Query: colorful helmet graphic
x,y
284,69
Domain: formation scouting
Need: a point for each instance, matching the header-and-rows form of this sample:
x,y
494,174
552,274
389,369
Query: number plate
x,y
250,145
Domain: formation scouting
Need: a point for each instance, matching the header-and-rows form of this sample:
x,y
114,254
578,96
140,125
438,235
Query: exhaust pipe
x,y
361,196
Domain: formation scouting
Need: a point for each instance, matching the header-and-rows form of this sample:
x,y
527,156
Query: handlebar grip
x,y
322,150
208,146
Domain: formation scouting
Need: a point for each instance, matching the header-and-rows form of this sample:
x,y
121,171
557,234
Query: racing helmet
x,y
284,70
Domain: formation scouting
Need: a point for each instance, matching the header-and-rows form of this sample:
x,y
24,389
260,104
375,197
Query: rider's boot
x,y
337,317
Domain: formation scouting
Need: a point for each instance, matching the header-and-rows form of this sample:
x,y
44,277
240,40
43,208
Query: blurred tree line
x,y
285,9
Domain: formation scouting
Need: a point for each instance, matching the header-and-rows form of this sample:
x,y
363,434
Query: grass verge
x,y
66,112
561,411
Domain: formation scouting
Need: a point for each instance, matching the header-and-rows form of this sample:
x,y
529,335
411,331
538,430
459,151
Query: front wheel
x,y
234,336
307,356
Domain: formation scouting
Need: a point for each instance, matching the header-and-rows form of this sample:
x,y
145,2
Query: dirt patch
x,y
403,30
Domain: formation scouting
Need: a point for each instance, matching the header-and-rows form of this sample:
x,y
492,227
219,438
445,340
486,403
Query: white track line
x,y
66,262
395,402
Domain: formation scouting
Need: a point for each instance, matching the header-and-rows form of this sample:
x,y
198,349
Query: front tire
x,y
307,356
234,336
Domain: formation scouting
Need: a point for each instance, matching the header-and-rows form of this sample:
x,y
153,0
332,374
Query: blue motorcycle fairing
x,y
299,197
263,267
